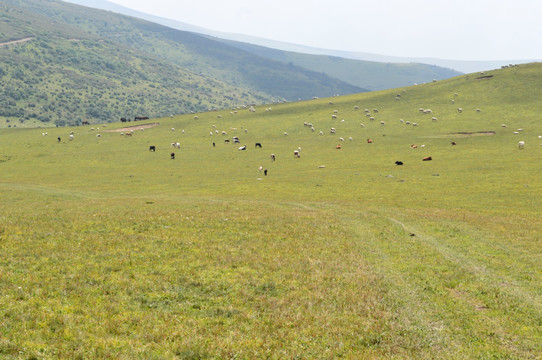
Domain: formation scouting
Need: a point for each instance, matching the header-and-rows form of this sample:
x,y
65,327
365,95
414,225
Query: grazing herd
x,y
297,152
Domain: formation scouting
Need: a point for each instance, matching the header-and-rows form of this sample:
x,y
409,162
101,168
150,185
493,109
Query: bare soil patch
x,y
134,127
465,134
16,41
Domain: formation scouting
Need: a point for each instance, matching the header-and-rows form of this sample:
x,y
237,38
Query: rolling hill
x,y
125,66
114,251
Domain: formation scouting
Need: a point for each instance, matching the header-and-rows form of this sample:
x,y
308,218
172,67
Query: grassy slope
x,y
114,251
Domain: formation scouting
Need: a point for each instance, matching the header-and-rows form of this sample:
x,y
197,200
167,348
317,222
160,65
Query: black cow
x,y
152,148
265,172
172,155
258,145
59,139
398,163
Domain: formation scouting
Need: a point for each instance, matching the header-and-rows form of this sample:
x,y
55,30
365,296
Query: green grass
x,y
112,251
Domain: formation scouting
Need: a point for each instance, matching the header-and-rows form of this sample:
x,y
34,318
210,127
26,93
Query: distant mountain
x,y
369,74
457,65
358,71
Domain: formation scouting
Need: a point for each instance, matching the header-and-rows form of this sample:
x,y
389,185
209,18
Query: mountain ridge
x,y
463,66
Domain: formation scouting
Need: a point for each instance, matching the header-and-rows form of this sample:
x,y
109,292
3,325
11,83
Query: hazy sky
x,y
448,29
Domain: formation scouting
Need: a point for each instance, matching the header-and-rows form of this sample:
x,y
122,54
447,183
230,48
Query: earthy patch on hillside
x,y
464,134
134,127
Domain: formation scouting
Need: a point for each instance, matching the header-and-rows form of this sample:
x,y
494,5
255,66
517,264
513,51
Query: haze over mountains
x,y
463,66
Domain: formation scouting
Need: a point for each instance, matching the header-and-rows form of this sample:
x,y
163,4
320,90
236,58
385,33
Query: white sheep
x,y
521,144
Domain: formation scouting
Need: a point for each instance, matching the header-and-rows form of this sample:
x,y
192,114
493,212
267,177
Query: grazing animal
x,y
521,144
265,172
453,143
244,147
398,162
260,168
172,155
460,110
413,146
214,144
71,136
427,158
296,154
258,145
152,148
273,157
369,141
98,135
338,147
59,139
176,145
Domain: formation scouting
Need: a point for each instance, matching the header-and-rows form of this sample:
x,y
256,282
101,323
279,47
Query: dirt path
x,y
17,41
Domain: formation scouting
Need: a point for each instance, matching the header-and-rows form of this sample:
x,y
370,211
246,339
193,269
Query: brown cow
x,y
370,141
427,158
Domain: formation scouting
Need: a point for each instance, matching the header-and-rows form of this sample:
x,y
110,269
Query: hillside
x,y
63,75
138,68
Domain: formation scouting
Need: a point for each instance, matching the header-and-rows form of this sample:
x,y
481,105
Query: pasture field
x,y
110,250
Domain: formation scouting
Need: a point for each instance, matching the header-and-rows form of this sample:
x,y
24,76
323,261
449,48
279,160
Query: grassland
x,y
112,251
